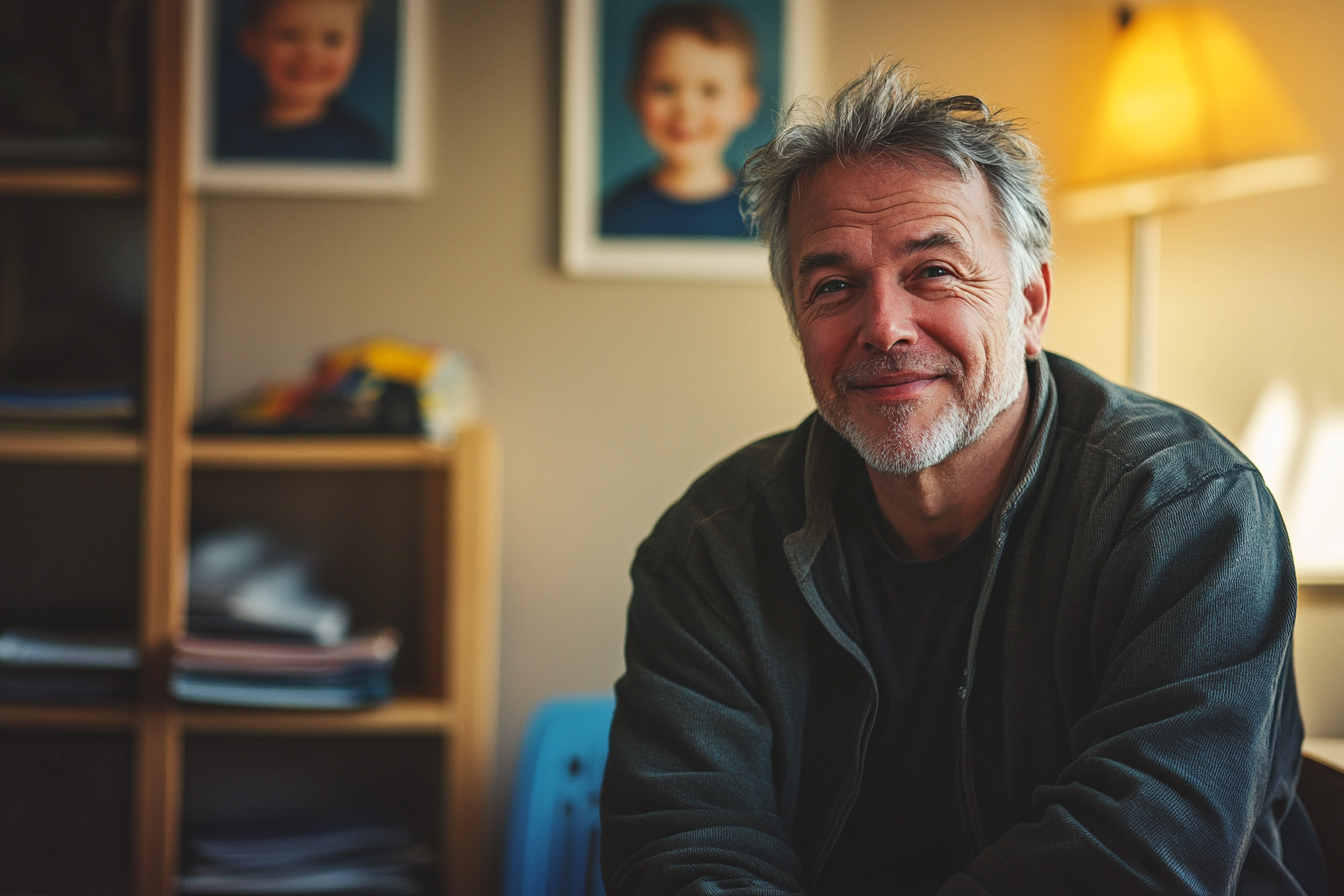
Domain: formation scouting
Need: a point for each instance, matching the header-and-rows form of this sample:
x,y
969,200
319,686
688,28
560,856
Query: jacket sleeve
x,y
688,798
1187,760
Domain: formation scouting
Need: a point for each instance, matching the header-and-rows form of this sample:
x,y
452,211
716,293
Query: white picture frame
x,y
394,64
585,251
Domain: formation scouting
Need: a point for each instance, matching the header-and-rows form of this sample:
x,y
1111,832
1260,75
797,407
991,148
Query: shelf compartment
x,y
403,714
71,718
326,453
251,781
55,447
369,535
72,307
103,183
65,819
69,545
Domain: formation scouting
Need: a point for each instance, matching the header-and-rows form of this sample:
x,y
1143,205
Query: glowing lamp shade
x,y
1184,90
1187,113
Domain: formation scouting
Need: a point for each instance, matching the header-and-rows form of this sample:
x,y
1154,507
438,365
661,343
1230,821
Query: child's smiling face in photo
x,y
306,50
693,98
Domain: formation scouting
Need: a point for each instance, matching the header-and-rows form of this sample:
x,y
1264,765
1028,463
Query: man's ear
x,y
1037,294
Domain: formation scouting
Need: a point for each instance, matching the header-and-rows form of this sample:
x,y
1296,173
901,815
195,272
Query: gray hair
x,y
885,113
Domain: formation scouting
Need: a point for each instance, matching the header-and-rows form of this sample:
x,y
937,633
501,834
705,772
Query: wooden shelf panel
x,y
70,447
402,714
91,182
82,718
317,453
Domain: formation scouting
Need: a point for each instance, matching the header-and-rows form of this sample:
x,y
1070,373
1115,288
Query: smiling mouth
x,y
896,377
896,386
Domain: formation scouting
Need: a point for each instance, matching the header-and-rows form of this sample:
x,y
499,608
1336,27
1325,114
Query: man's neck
x,y
934,510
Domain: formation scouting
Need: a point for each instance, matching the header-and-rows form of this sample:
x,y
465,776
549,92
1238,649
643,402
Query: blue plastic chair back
x,y
552,847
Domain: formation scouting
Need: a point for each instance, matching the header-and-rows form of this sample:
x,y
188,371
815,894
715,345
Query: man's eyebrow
x,y
817,260
932,241
810,263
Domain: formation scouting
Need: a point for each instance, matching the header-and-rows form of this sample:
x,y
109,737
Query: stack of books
x,y
353,673
76,404
43,666
372,860
260,634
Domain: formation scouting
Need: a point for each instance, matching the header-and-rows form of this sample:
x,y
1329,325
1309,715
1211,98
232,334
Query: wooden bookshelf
x,y
403,714
70,447
106,183
75,718
409,528
316,453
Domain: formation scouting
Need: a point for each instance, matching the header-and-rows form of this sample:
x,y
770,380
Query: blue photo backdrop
x,y
624,154
371,93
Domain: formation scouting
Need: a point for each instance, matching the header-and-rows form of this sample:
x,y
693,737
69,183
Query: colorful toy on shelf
x,y
379,385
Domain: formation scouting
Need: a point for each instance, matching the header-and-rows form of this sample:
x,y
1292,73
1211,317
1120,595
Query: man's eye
x,y
333,39
710,91
663,88
288,35
833,286
935,270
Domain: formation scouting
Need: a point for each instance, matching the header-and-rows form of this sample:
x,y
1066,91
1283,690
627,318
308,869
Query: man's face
x,y
306,49
903,292
693,98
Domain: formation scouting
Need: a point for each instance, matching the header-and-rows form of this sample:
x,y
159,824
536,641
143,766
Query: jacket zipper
x,y
851,797
970,807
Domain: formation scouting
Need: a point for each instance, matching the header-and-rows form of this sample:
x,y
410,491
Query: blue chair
x,y
553,822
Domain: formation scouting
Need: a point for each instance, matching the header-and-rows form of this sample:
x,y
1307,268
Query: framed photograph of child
x,y
663,101
308,96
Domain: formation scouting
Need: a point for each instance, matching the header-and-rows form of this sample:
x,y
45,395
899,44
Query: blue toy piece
x,y
553,823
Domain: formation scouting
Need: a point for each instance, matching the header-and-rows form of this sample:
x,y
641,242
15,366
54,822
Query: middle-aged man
x,y
986,623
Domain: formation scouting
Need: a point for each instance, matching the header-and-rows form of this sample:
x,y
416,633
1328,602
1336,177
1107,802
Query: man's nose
x,y
888,317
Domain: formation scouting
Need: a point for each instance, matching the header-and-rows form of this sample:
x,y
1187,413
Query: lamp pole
x,y
1145,255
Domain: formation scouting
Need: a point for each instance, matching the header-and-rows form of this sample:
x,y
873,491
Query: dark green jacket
x,y
1136,727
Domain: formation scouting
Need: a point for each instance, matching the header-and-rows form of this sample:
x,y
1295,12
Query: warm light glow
x,y
1184,91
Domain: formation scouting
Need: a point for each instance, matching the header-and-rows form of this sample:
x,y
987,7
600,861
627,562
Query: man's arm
x,y
1191,639
688,800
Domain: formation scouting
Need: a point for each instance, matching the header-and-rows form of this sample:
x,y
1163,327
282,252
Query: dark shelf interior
x,y
73,82
65,813
72,293
69,546
255,783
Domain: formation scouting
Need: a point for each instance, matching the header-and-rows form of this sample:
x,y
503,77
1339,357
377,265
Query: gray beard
x,y
896,450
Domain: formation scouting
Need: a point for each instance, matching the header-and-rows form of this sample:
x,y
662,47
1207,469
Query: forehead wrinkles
x,y
889,221
856,194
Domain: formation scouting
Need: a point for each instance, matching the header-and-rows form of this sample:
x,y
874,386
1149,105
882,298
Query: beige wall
x,y
610,397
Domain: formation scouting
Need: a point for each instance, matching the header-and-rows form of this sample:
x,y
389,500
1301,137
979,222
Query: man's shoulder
x,y
767,473
1135,435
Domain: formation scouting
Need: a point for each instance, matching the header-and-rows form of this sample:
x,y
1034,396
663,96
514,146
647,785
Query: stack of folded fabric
x,y
42,666
260,634
244,582
369,859
353,673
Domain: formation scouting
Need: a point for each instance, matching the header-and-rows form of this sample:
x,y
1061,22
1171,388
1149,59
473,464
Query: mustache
x,y
898,362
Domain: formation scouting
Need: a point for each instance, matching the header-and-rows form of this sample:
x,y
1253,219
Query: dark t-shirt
x,y
340,135
904,834
638,209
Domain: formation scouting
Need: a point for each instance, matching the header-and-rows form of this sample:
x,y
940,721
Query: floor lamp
x,y
1188,113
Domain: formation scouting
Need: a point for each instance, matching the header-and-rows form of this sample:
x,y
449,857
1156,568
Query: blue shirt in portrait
x,y
340,135
638,209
